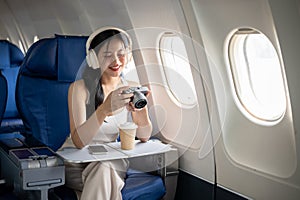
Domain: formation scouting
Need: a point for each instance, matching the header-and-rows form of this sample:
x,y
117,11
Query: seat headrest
x,y
10,55
57,58
40,60
71,54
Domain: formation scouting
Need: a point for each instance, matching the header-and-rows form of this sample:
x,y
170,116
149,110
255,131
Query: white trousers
x,y
97,180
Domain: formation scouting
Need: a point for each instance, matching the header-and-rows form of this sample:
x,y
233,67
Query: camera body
x,y
139,99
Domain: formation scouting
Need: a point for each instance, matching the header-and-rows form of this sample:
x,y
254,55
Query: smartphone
x,y
97,149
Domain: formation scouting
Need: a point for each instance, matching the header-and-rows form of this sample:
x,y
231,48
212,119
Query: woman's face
x,y
112,57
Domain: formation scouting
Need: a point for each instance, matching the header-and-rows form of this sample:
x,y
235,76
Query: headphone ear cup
x,y
92,60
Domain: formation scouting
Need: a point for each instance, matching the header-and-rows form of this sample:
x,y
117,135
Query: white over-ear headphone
x,y
91,56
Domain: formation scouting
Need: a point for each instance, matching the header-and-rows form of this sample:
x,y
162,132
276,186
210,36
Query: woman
x,y
96,107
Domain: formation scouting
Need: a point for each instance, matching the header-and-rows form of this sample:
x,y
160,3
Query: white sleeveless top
x,y
109,131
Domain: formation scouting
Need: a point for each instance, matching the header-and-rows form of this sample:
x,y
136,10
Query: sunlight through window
x,y
257,75
177,69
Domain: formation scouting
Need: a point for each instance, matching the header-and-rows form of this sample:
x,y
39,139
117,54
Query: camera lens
x,y
140,103
139,100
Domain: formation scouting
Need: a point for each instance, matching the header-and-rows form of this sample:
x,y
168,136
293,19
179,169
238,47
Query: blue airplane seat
x,y
3,95
49,67
142,186
11,58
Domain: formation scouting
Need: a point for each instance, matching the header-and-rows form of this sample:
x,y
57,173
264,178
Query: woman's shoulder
x,y
78,84
78,87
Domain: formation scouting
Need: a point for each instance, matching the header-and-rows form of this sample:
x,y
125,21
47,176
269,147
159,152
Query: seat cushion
x,y
142,186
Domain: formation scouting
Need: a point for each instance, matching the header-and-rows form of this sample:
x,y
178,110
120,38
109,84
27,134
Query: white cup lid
x,y
128,125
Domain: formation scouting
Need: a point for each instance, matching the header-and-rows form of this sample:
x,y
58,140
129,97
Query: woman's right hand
x,y
116,100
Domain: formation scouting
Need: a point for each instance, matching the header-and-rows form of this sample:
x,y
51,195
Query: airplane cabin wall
x,y
186,128
286,18
254,160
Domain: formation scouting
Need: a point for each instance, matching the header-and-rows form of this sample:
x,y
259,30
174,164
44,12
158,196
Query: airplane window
x,y
257,75
177,69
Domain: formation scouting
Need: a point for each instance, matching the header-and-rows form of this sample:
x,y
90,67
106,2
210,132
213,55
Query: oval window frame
x,y
170,91
231,66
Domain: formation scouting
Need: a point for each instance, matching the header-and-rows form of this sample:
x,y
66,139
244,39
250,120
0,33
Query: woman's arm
x,y
82,130
141,118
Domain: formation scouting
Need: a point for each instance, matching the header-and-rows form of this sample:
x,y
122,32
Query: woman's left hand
x,y
130,107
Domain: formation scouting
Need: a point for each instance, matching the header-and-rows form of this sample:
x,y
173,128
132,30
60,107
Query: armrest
x,y
29,168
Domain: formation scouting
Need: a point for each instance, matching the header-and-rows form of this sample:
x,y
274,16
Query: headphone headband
x,y
91,56
95,33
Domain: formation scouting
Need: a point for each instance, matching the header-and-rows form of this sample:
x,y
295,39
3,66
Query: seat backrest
x,y
11,58
3,95
49,67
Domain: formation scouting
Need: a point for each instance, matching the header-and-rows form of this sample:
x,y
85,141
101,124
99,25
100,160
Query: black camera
x,y
139,99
